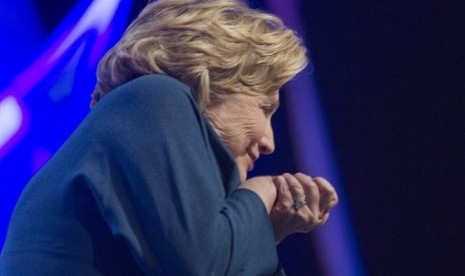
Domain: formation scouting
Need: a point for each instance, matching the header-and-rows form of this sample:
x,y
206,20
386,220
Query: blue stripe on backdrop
x,y
335,242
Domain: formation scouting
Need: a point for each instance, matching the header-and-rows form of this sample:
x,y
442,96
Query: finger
x,y
324,218
329,197
284,195
312,192
295,187
294,184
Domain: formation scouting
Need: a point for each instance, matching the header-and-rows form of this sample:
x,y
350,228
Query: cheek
x,y
234,135
240,134
255,133
256,128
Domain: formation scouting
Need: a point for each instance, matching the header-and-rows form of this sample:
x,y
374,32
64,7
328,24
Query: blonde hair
x,y
217,47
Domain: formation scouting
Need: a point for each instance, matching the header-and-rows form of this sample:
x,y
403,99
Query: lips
x,y
252,159
250,166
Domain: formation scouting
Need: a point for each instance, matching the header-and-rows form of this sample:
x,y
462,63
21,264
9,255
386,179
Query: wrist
x,y
265,189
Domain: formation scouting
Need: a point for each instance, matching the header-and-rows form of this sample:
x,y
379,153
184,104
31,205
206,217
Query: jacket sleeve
x,y
158,185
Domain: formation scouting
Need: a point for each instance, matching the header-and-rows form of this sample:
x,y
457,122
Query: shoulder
x,y
150,99
155,92
156,84
158,80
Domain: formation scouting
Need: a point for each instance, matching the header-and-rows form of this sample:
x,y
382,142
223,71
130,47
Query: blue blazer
x,y
143,186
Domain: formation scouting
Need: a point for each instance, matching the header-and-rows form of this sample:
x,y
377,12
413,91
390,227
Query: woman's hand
x,y
302,203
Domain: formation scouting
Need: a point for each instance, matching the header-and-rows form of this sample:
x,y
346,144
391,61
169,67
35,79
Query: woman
x,y
154,180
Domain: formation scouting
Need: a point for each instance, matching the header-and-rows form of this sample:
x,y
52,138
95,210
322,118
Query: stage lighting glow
x,y
10,119
43,104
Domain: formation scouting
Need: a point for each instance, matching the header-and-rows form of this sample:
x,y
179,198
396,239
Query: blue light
x,y
44,102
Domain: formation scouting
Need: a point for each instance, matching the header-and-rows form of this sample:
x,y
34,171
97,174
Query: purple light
x,y
97,17
335,242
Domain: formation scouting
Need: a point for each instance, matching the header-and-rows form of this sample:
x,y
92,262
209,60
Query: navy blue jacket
x,y
143,186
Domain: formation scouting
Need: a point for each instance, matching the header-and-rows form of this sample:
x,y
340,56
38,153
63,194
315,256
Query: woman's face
x,y
244,124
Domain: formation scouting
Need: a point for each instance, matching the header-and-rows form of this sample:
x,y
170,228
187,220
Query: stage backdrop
x,y
48,73
380,113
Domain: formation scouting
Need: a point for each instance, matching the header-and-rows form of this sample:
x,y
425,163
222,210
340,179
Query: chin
x,y
242,175
242,172
242,168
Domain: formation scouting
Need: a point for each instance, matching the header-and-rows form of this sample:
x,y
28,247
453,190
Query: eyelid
x,y
268,109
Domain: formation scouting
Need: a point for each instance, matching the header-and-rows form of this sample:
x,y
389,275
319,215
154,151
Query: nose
x,y
266,144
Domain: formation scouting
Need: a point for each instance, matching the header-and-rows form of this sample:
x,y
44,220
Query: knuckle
x,y
312,184
321,179
302,175
331,189
287,175
312,187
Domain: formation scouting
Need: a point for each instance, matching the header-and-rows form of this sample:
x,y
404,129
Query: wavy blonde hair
x,y
217,47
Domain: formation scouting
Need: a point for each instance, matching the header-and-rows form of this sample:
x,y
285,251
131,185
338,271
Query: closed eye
x,y
268,110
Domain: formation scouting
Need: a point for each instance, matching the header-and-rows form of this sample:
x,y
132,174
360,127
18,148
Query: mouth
x,y
251,163
250,166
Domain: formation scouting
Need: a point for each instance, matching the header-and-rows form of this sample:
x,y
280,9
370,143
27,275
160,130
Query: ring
x,y
299,202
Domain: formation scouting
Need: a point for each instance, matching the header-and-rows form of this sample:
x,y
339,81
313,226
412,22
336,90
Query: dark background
x,y
391,80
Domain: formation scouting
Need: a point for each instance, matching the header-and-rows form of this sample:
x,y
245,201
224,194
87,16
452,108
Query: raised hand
x,y
302,203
